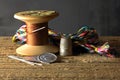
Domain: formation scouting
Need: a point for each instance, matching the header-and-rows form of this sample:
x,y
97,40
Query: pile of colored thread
x,y
85,37
20,36
101,50
89,35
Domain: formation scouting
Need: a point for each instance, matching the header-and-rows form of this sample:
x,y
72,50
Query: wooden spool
x,y
37,41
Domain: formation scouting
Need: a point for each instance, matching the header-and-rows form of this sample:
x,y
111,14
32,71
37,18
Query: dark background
x,y
103,15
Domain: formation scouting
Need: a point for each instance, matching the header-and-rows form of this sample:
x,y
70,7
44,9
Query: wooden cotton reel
x,y
37,32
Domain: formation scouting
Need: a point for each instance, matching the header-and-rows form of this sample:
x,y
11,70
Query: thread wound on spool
x,y
38,29
39,37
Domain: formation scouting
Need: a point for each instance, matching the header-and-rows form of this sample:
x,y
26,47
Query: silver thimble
x,y
65,46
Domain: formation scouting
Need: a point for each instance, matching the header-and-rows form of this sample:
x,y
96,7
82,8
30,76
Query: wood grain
x,y
82,67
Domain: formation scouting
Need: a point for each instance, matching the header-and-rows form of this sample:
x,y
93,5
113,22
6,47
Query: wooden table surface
x,y
82,67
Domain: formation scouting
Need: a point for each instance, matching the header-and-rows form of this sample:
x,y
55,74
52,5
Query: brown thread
x,y
39,37
38,29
